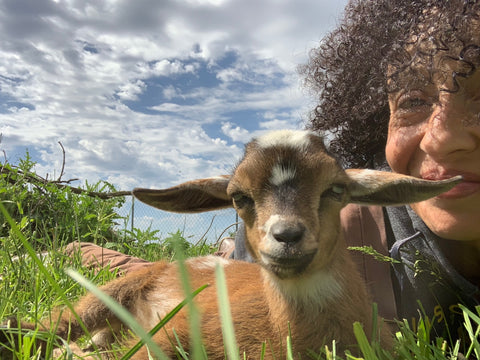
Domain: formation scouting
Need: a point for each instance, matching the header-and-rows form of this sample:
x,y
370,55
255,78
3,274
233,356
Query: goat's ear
x,y
190,197
372,187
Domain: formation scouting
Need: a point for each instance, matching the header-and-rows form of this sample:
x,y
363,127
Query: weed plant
x,y
50,213
35,218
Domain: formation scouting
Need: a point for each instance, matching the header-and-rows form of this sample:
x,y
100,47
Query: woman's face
x,y
435,134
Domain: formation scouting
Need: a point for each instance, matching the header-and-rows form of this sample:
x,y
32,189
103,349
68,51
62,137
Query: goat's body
x,y
261,312
289,193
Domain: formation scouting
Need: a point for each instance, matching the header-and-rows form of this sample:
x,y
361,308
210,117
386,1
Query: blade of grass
x,y
334,350
181,351
289,348
468,315
226,315
194,315
455,350
365,347
264,348
374,321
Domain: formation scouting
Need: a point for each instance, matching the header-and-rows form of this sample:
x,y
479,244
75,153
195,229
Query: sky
x,y
151,93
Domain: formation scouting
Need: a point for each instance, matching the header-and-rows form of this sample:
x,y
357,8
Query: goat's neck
x,y
310,292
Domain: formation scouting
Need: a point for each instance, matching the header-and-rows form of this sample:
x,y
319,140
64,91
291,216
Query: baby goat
x,y
289,193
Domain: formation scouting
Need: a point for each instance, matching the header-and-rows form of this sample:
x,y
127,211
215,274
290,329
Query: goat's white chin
x,y
286,266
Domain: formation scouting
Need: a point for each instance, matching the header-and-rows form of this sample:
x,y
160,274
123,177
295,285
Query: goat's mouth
x,y
286,265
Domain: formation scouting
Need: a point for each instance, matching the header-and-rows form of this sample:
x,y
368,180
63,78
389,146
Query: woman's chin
x,y
453,222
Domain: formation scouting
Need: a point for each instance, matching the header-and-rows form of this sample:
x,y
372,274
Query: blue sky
x,y
151,93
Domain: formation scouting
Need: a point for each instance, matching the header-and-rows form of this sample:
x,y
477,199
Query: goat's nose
x,y
288,232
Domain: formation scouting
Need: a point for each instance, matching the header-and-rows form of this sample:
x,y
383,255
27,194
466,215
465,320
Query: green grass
x,y
32,285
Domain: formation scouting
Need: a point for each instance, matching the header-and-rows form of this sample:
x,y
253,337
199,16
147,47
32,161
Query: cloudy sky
x,y
151,92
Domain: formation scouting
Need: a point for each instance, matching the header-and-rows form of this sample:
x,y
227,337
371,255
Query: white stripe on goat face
x,y
282,174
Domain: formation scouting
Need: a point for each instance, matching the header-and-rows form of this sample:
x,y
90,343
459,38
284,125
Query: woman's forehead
x,y
436,50
446,69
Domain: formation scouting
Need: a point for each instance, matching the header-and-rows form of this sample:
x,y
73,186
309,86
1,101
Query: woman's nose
x,y
447,131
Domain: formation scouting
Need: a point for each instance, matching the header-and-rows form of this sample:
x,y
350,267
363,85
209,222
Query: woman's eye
x,y
410,103
411,108
241,200
413,101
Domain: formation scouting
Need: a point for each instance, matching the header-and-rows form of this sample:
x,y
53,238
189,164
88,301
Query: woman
x,y
416,64
398,86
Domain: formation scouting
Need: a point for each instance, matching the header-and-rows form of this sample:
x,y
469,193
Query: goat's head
x,y
289,192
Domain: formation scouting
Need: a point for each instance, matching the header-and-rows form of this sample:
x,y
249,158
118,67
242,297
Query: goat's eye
x,y
241,200
338,189
335,191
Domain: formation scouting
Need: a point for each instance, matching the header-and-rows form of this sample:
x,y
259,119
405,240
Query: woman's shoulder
x,y
365,226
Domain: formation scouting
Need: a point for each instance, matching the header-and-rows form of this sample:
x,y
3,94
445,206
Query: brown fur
x,y
260,314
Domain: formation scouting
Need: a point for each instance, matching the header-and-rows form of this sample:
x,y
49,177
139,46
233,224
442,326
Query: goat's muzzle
x,y
288,232
290,262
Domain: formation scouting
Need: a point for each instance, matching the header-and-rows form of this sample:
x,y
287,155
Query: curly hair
x,y
375,45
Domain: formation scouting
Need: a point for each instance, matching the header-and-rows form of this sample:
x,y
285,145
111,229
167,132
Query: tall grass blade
x,y
226,315
456,351
468,316
375,329
365,347
264,348
194,315
289,348
180,350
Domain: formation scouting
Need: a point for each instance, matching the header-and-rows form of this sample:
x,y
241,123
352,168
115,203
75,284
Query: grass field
x,y
37,221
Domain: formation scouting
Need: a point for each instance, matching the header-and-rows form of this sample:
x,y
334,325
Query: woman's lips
x,y
464,189
469,185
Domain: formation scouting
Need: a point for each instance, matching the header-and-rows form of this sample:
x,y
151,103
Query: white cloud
x,y
67,68
131,90
166,68
228,75
277,124
168,107
236,133
170,92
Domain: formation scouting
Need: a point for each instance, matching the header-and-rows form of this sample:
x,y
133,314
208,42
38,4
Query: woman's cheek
x,y
402,142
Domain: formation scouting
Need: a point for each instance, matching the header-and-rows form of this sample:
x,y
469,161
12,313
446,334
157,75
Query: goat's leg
x,y
65,323
96,316
129,291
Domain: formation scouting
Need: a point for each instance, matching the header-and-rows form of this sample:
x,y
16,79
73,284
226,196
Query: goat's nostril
x,y
285,232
